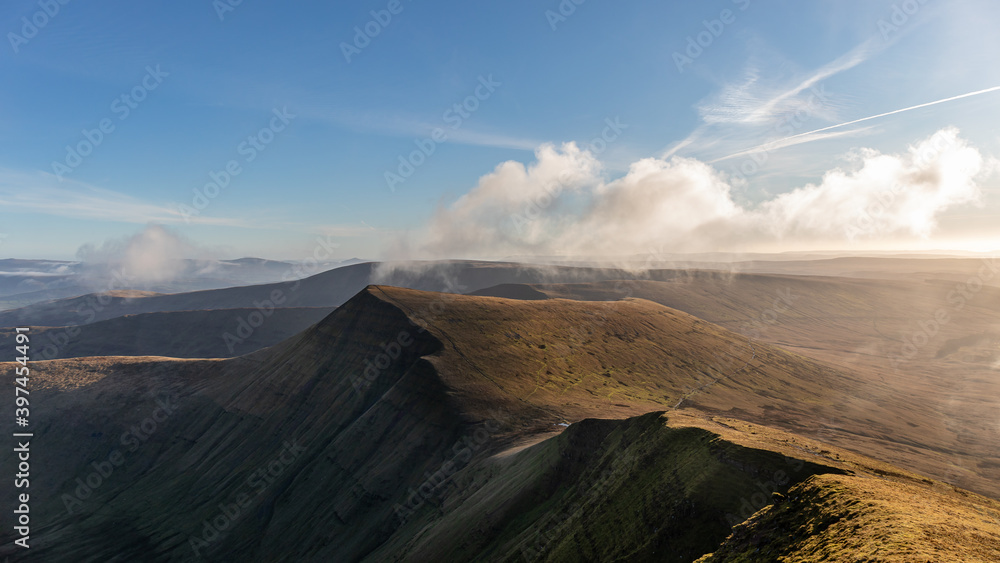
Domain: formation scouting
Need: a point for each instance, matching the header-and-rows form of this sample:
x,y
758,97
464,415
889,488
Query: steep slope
x,y
375,401
314,449
226,422
638,489
669,488
215,333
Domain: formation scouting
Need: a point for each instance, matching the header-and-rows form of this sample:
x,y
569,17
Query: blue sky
x,y
210,78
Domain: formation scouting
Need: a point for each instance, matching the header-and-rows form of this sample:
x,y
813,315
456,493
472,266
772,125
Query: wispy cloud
x,y
42,192
818,134
386,123
778,105
479,138
754,100
767,102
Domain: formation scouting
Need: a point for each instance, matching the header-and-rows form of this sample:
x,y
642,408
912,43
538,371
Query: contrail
x,y
755,149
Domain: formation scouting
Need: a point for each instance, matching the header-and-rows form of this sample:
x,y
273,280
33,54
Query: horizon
x,y
693,258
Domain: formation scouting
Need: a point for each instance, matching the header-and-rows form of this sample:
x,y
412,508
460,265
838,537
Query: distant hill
x,y
327,289
511,291
24,282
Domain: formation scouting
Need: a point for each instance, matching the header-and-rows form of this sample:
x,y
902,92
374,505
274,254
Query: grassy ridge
x,y
844,518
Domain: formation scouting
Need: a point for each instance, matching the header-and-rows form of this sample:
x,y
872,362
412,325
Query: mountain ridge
x,y
300,432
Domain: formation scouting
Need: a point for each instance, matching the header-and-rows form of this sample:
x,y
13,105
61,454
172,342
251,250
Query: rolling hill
x,y
887,333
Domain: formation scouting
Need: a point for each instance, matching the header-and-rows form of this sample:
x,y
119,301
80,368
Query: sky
x,y
404,129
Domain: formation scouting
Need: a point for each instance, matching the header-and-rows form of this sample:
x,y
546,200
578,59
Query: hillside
x,y
233,416
668,488
848,518
338,427
945,389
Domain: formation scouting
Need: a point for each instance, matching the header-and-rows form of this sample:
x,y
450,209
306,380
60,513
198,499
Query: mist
x,y
155,255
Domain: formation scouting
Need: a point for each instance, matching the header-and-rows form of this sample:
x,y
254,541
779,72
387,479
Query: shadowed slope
x,y
668,488
368,436
179,334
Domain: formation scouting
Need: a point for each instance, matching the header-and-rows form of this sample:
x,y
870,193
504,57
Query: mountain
x,y
418,426
945,388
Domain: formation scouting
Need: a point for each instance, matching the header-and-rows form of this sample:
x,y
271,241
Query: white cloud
x,y
885,194
492,213
561,204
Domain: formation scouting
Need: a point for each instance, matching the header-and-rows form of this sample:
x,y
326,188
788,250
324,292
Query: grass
x,y
857,519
